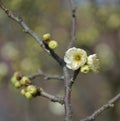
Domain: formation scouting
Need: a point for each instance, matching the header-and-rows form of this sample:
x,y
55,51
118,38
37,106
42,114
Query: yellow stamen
x,y
77,57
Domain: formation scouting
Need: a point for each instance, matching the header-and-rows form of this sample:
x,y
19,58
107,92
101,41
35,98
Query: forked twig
x,y
73,32
46,76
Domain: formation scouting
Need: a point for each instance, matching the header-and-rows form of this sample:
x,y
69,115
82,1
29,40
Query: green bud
x,y
23,91
17,75
32,89
28,95
46,36
17,84
85,69
53,44
25,80
13,80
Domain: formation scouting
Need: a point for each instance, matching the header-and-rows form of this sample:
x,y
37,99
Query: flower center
x,y
77,57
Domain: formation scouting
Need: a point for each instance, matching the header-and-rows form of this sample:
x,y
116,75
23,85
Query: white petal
x,y
69,55
93,62
73,66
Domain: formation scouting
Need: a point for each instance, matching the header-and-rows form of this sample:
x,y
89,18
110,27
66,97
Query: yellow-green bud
x,y
28,95
46,36
17,84
17,75
32,89
52,44
25,80
85,69
41,90
13,80
23,91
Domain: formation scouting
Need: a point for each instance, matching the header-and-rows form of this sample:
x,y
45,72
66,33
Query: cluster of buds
x,y
28,90
18,80
76,58
52,44
15,80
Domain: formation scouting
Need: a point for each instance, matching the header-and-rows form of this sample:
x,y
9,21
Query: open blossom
x,y
75,58
93,62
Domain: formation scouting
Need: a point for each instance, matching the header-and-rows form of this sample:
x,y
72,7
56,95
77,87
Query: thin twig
x,y
46,76
109,104
73,32
30,32
51,97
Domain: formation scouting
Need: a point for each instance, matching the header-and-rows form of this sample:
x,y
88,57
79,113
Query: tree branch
x,y
109,104
51,97
72,81
31,33
73,32
46,76
68,81
67,97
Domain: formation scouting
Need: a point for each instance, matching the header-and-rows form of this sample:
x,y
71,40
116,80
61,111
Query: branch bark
x,y
109,104
51,97
67,97
68,80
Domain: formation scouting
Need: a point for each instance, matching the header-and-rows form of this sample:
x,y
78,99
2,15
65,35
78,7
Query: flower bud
x,y
46,36
52,44
28,95
17,75
13,80
85,69
17,84
23,91
25,80
32,89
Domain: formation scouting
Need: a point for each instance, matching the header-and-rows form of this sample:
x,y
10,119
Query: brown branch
x,y
46,76
75,74
31,33
51,97
73,32
109,104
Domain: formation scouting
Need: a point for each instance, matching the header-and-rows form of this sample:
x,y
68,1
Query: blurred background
x,y
98,31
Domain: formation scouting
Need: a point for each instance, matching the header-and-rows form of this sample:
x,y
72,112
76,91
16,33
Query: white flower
x,y
93,62
75,58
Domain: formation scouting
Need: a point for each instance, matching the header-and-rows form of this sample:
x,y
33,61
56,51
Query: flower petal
x,y
93,62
